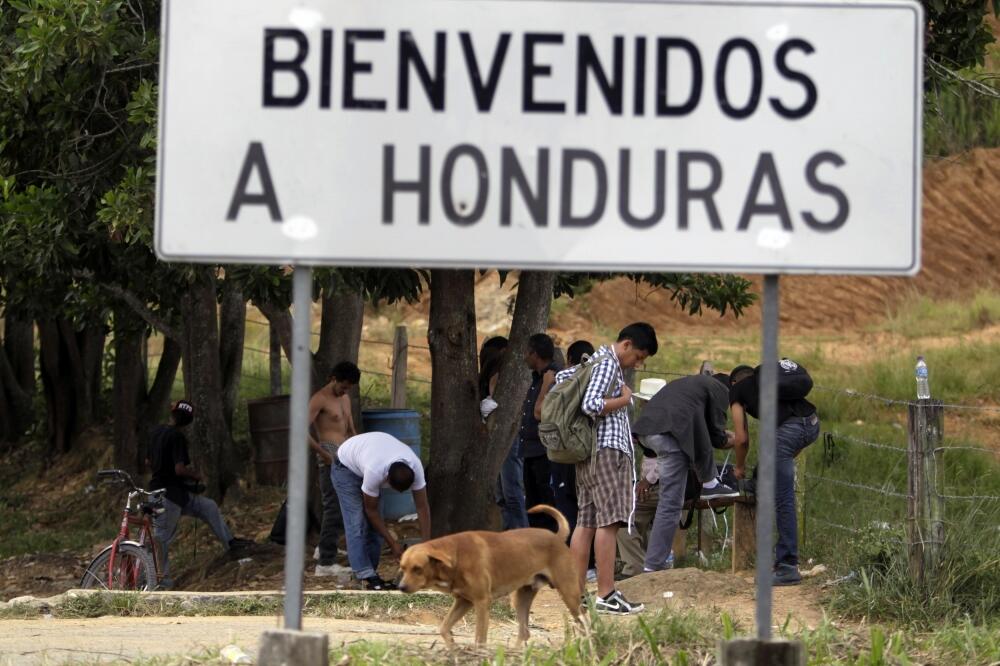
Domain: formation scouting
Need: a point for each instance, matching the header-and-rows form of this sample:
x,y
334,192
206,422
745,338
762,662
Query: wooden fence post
x,y
925,504
274,361
399,352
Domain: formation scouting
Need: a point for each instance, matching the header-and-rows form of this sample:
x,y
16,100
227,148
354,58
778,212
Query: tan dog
x,y
477,567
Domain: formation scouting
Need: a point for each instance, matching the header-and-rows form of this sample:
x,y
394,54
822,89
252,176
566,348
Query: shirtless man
x,y
331,421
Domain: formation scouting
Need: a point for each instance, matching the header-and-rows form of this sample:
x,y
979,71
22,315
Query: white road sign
x,y
572,134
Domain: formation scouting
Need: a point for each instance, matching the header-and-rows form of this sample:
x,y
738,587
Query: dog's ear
x,y
441,556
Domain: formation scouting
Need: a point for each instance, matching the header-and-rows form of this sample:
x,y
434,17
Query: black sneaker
x,y
616,604
720,490
240,544
377,584
786,574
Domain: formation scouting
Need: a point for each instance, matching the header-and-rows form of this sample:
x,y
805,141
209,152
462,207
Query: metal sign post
x,y
298,457
766,455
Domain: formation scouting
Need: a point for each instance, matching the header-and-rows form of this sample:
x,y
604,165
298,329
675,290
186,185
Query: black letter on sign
x,y
352,67
531,70
325,67
765,169
271,35
685,193
410,55
566,217
482,178
422,186
663,46
756,78
254,160
843,205
807,83
511,171
613,91
625,186
484,93
639,95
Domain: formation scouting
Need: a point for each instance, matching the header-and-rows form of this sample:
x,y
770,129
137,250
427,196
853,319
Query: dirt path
x,y
107,638
53,640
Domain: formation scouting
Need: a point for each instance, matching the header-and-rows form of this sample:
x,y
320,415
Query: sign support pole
x,y
764,649
298,474
765,456
291,645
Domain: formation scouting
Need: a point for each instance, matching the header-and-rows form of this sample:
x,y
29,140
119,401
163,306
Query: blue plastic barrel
x,y
404,425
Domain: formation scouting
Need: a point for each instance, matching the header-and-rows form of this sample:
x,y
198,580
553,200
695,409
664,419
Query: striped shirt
x,y
613,430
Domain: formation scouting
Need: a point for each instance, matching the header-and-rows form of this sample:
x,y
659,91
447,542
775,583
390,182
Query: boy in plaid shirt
x,y
605,482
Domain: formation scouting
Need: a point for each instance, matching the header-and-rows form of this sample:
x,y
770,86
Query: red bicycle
x,y
129,564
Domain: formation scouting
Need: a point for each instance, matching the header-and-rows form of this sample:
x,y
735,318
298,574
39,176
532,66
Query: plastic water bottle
x,y
923,386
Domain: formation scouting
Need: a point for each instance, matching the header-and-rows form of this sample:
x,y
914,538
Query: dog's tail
x,y
563,531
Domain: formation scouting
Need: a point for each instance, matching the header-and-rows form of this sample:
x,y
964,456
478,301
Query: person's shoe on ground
x,y
591,575
331,570
376,583
616,604
240,544
719,490
787,574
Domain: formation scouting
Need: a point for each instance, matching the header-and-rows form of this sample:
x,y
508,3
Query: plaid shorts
x,y
604,489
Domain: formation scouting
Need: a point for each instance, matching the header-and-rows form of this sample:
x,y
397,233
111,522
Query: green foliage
x,y
692,291
957,34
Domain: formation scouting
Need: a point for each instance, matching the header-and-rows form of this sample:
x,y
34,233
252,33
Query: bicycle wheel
x,y
133,570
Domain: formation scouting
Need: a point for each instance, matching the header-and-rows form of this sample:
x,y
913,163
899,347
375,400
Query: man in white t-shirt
x,y
365,464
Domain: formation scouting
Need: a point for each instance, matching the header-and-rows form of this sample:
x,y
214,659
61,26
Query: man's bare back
x,y
330,417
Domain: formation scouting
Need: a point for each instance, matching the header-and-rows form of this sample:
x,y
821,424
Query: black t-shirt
x,y
531,446
747,393
167,447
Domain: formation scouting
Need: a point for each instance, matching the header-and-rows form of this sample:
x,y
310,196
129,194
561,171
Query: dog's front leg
x,y
457,612
482,620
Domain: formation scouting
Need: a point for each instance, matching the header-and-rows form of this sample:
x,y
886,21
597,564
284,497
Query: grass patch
x,y
921,316
333,605
957,118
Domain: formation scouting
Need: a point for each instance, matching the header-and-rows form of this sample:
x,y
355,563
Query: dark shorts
x,y
604,489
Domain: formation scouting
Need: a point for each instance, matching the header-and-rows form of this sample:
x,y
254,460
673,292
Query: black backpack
x,y
794,382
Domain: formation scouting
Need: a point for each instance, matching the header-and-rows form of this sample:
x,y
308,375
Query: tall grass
x,y
958,118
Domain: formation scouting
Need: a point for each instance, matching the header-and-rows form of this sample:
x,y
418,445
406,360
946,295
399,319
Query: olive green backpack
x,y
567,433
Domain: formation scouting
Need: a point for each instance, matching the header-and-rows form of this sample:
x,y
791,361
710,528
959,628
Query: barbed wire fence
x,y
849,483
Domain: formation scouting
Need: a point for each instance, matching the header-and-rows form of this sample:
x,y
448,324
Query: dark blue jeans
x,y
791,437
563,482
364,544
510,490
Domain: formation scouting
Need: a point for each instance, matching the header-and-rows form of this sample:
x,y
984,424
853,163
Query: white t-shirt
x,y
369,455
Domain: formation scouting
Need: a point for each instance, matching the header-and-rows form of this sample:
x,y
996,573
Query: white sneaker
x,y
332,570
316,553
591,575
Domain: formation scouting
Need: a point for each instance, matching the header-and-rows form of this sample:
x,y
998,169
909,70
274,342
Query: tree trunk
x,y
128,390
531,315
19,343
340,339
210,436
280,320
459,485
83,352
232,325
154,407
16,413
58,379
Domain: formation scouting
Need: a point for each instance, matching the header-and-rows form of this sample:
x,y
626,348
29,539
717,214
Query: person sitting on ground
x,y
330,415
797,428
170,463
364,465
682,424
